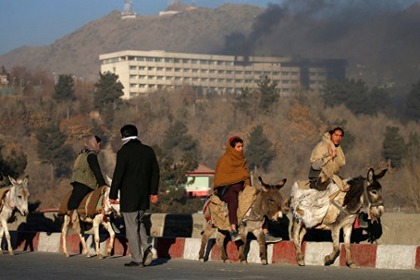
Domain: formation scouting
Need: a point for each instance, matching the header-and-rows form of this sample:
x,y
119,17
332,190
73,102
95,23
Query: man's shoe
x,y
272,239
234,235
134,264
148,256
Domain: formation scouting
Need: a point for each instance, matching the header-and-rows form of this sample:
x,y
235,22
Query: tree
x,y
178,142
107,95
64,89
172,179
413,102
356,96
246,102
180,153
108,91
53,150
14,164
393,146
268,93
260,151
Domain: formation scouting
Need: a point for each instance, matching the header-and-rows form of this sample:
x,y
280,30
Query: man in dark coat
x,y
136,175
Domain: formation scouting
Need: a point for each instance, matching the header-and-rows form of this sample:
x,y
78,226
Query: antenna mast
x,y
128,10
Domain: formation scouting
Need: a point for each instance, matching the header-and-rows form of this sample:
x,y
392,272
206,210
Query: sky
x,y
41,22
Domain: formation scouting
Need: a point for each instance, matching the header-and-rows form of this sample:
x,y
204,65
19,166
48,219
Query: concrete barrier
x,y
364,255
178,236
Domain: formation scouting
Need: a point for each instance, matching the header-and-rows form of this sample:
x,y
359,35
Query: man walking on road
x,y
136,175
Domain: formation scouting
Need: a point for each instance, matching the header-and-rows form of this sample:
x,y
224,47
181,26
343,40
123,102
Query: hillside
x,y
381,50
201,30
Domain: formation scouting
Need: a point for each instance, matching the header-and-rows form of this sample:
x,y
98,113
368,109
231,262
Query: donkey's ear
x,y
12,181
381,174
281,184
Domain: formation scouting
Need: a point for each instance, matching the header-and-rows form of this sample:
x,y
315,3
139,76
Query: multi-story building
x,y
147,71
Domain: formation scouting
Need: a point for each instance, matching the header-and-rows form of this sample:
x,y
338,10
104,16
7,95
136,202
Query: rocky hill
x,y
381,50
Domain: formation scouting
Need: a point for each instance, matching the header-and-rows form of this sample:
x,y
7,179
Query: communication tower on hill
x,y
128,10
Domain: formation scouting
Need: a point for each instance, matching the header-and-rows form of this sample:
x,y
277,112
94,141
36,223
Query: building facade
x,y
143,72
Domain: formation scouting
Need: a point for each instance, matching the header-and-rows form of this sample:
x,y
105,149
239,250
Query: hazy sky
x,y
41,22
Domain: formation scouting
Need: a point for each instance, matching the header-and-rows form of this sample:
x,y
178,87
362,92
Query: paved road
x,y
35,265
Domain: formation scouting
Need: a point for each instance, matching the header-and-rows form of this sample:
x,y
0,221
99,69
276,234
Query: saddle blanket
x,y
89,206
314,207
215,210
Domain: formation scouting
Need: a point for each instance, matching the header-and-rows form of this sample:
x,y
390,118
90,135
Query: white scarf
x,y
129,138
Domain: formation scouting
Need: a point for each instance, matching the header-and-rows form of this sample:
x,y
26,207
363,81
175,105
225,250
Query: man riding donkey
x,y
231,178
326,160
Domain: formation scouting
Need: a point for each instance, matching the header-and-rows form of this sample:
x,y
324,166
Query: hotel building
x,y
143,72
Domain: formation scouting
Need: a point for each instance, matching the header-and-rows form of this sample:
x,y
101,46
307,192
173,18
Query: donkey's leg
x,y
96,238
207,232
298,232
242,245
259,233
85,250
108,227
64,230
335,235
220,242
7,235
347,230
1,236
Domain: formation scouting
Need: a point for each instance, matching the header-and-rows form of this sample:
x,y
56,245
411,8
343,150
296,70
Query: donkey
x,y
73,219
268,203
364,194
13,199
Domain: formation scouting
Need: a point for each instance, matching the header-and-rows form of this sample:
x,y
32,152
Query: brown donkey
x,y
364,194
268,203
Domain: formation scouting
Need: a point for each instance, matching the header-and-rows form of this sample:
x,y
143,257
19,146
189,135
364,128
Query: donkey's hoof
x,y
244,262
328,261
227,261
100,256
11,253
352,265
201,260
264,262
